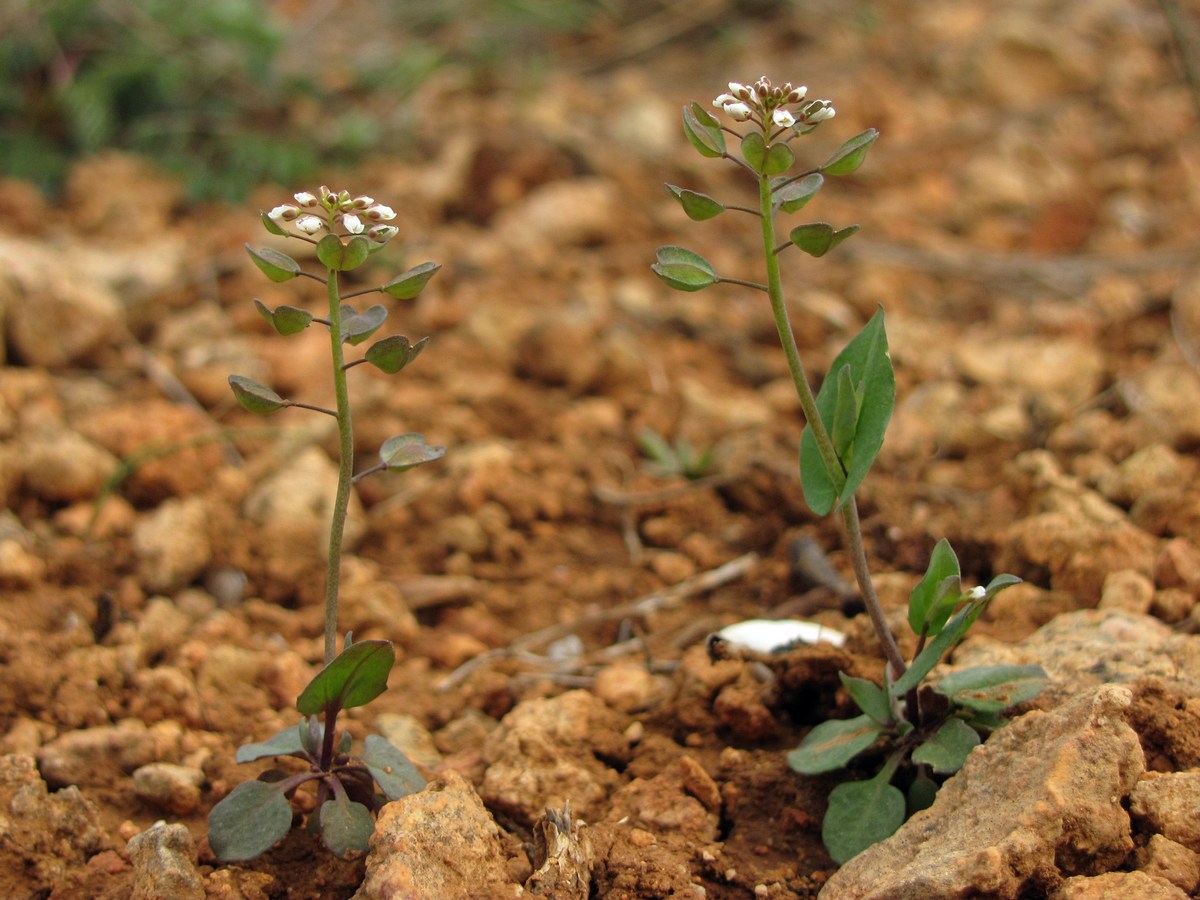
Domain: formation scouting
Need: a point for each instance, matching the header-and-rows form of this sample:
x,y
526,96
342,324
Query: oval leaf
x,y
703,131
408,284
795,194
255,397
779,159
346,826
275,265
282,743
870,697
832,744
683,269
943,565
947,750
754,150
861,813
356,676
851,154
394,353
871,372
404,451
249,821
990,689
342,257
392,770
698,207
358,326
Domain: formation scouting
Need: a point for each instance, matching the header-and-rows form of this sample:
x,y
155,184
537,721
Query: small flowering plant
x,y
256,814
923,732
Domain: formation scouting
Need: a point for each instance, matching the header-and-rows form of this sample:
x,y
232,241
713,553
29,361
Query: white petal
x,y
783,118
738,111
773,635
352,224
309,224
381,234
723,99
381,213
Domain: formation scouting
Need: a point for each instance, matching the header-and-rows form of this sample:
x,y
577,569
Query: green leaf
x,y
408,284
683,269
394,353
847,403
754,150
818,238
697,206
404,451
346,826
871,372
285,319
392,770
870,697
861,813
851,154
357,327
703,131
356,676
779,159
795,194
255,397
990,689
921,793
249,821
271,225
943,568
282,743
946,751
999,583
832,744
342,257
958,625
275,265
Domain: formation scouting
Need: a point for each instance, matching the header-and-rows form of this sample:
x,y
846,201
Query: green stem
x,y
341,502
808,403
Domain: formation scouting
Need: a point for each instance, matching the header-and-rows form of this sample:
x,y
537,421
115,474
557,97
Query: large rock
x,y
1040,802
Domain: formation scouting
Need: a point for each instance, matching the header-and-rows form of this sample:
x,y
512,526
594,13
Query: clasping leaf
x,y
356,676
703,131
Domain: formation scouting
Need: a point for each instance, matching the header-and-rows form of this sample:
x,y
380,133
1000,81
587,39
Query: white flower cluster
x,y
327,210
762,103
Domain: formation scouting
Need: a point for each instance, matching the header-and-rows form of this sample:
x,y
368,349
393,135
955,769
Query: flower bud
x,y
381,234
284,213
362,202
380,213
795,95
739,112
306,200
739,91
309,224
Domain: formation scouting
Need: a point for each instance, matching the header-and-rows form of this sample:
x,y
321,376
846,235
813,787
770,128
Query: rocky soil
x,y
1029,220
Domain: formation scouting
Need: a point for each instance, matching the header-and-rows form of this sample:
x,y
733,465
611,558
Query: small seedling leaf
x,y
851,154
249,821
779,159
832,744
698,207
990,689
346,826
871,372
795,194
946,751
404,451
392,770
870,697
683,269
356,676
703,131
408,284
342,257
861,813
282,743
943,565
275,265
754,150
394,353
358,326
255,397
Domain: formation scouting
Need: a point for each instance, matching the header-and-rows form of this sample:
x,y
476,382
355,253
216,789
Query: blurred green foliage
x,y
229,94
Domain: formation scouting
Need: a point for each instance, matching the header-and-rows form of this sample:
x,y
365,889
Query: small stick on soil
x,y
643,606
